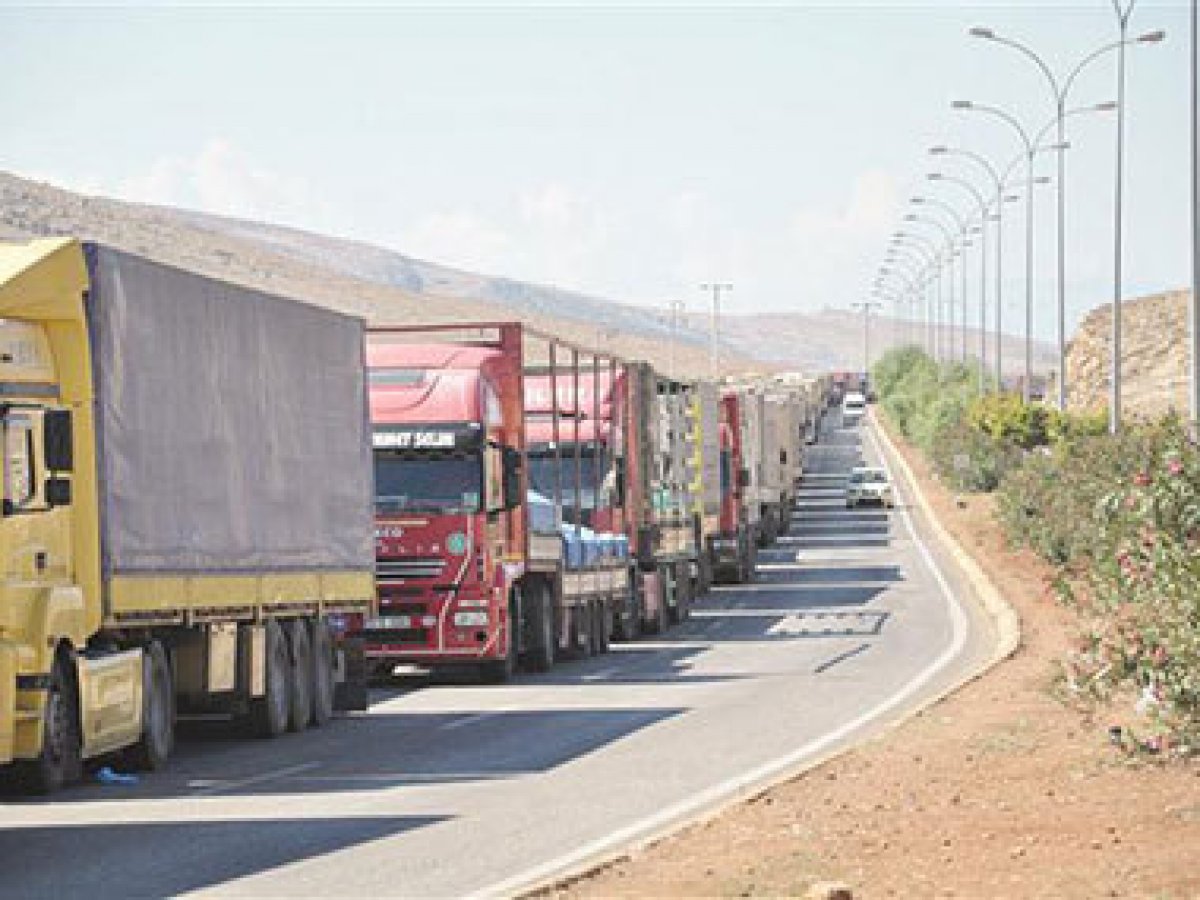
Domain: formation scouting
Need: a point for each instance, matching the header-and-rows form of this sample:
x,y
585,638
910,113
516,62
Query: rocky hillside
x,y
1154,338
384,287
389,288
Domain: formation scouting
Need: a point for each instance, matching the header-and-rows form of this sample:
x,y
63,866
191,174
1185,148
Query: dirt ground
x,y
997,791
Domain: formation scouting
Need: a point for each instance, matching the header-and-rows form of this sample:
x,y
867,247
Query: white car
x,y
869,484
854,405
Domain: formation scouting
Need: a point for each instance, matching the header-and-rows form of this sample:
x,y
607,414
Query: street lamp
x,y
948,255
983,217
866,307
716,288
1060,90
930,256
961,224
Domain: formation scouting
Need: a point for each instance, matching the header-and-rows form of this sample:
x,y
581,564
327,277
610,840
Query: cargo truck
x,y
628,428
732,550
174,540
476,567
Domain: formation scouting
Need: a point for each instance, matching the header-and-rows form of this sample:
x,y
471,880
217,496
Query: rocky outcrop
x,y
1154,350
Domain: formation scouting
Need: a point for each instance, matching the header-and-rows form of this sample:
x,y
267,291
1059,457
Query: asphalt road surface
x,y
453,790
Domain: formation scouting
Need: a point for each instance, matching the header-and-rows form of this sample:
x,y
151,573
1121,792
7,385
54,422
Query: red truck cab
x,y
448,435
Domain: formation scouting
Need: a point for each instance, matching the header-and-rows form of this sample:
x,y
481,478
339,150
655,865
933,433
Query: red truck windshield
x,y
428,482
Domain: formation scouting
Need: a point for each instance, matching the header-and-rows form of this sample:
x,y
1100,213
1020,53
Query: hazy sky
x,y
626,151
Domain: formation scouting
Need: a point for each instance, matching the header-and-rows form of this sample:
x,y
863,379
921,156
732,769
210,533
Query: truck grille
x,y
410,567
398,636
389,608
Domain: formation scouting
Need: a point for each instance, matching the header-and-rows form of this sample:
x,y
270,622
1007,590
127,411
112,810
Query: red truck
x,y
630,437
733,549
475,568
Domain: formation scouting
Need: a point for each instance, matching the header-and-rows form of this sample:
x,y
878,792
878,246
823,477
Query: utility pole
x,y
866,308
714,369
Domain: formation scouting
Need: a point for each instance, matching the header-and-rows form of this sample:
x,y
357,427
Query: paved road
x,y
454,790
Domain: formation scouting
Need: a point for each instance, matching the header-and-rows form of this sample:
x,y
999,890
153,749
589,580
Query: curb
x,y
1003,616
1008,628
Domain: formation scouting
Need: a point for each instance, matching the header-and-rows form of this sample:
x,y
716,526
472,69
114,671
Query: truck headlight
x,y
470,619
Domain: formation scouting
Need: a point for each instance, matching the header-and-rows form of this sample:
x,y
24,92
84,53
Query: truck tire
x,y
61,759
543,637
498,671
684,592
270,713
157,742
323,689
599,630
626,615
657,622
300,674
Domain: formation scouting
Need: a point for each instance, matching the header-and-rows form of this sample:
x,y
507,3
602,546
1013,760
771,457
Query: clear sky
x,y
622,150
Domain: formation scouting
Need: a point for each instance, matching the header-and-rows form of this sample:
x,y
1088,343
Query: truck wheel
x,y
684,591
322,674
657,624
301,675
158,711
61,759
625,617
543,637
600,627
498,671
269,714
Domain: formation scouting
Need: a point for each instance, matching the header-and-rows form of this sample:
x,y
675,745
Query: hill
x,y
1154,339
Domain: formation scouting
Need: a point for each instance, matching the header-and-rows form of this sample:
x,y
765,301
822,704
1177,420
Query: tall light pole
x,y
677,307
930,255
948,254
1030,152
977,196
714,337
866,307
998,184
961,224
1060,91
900,267
1194,316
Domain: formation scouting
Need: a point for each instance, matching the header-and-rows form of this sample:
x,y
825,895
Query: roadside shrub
x,y
1143,599
970,460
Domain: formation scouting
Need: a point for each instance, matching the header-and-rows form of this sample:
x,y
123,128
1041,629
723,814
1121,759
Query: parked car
x,y
869,484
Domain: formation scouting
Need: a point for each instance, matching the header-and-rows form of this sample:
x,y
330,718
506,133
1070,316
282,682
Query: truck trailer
x,y
173,539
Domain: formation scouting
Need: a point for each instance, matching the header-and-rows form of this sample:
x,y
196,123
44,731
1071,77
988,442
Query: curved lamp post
x,y
1060,89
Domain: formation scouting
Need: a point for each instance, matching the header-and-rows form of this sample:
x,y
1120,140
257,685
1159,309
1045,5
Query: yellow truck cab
x,y
170,540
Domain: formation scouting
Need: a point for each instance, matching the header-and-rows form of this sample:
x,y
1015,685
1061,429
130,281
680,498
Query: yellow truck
x,y
187,513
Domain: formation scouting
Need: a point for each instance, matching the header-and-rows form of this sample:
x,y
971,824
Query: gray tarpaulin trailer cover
x,y
232,426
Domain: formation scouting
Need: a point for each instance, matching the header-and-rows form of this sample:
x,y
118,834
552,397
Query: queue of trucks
x,y
222,501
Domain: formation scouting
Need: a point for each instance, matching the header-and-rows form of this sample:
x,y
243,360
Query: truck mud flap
x,y
350,692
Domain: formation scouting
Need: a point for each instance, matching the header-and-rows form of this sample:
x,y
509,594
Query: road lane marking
x,y
841,657
739,786
469,720
223,787
602,674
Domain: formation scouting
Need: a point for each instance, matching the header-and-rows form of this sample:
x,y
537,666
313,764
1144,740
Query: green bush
x,y
1144,593
1118,515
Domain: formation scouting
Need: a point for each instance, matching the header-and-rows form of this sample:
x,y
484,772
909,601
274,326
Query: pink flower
x,y
1141,479
1175,467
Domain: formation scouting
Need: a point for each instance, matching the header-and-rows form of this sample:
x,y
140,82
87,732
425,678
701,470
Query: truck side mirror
x,y
58,491
512,478
743,478
57,440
